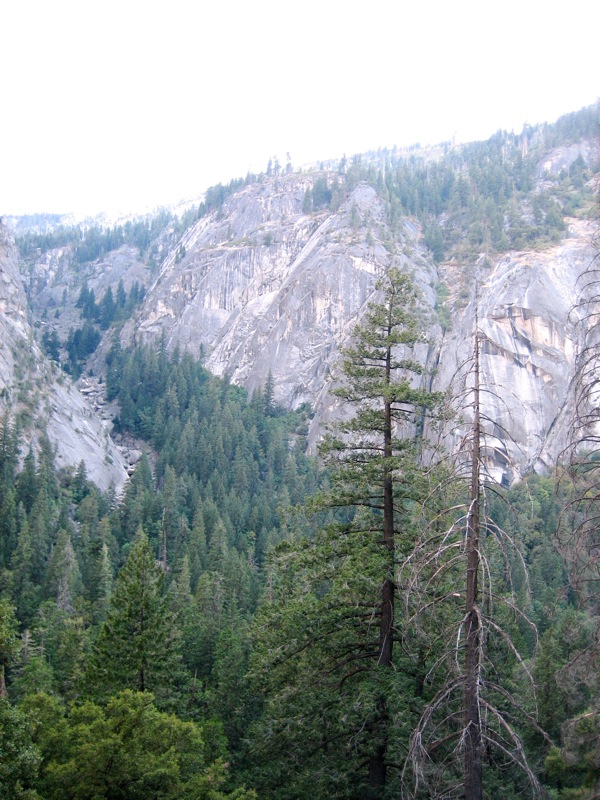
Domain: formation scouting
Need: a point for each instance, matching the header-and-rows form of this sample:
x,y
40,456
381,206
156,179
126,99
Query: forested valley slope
x,y
289,497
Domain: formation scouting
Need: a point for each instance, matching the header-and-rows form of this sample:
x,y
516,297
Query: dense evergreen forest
x,y
246,621
154,592
242,616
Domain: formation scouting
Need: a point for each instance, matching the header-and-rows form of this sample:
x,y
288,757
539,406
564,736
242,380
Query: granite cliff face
x,y
40,394
274,276
13,307
531,333
266,287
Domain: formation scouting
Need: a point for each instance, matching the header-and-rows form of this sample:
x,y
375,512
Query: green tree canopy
x,y
138,646
124,751
336,706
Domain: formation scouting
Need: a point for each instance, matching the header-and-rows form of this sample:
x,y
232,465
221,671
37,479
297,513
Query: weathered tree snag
x,y
473,773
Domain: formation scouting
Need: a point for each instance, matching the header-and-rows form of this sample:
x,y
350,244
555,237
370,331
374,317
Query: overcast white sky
x,y
121,105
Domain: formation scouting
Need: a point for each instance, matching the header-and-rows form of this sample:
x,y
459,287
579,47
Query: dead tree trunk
x,y
451,556
473,781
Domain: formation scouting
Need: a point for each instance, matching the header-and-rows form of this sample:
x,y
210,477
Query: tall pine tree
x,y
328,631
138,646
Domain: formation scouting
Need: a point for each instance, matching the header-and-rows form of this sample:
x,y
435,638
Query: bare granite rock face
x,y
532,332
266,284
263,287
42,395
266,287
562,158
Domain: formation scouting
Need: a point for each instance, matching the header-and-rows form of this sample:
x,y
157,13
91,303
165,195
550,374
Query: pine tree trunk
x,y
377,765
386,629
377,769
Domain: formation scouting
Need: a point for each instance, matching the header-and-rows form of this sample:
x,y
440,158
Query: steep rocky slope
x,y
531,332
265,287
39,394
273,276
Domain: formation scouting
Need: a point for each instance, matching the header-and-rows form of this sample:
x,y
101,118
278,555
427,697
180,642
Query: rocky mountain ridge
x,y
273,277
40,396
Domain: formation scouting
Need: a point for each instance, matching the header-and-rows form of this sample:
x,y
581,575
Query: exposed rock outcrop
x,y
532,332
274,278
262,286
269,288
42,396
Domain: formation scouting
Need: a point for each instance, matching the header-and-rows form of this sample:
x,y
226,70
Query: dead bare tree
x,y
473,741
471,712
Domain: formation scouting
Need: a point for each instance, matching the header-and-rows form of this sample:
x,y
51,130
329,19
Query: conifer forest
x,y
253,619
